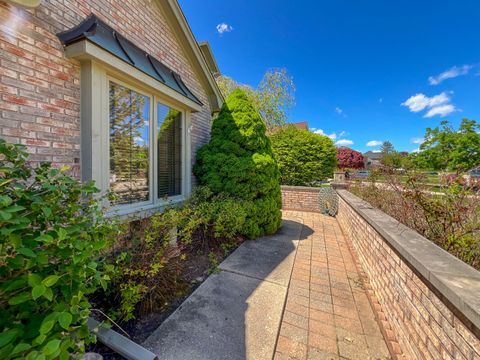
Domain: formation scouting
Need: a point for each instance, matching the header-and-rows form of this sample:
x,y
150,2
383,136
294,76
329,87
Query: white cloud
x,y
332,136
380,100
417,140
138,140
415,150
342,133
437,105
223,28
450,74
344,142
373,143
442,110
419,102
338,110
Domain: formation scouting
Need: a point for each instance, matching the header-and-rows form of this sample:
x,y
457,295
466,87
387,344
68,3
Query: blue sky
x,y
354,63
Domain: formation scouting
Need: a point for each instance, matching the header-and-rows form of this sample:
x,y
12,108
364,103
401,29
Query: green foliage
x,y
304,158
273,98
393,160
446,148
239,162
150,257
51,236
387,148
450,219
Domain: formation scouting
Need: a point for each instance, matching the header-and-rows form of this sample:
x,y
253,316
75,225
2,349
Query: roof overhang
x,y
85,50
179,24
209,58
92,35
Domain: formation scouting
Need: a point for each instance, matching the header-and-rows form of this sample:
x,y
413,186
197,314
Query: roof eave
x,y
181,27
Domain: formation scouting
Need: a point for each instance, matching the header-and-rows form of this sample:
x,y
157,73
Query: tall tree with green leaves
x,y
273,98
447,148
304,158
387,148
238,161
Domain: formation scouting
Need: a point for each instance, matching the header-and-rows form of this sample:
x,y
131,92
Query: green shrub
x,y
150,258
304,158
239,162
51,235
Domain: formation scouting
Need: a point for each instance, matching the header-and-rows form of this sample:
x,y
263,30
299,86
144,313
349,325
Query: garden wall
x,y
300,198
431,299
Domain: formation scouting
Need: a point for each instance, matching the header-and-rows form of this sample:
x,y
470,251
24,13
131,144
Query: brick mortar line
x,y
360,271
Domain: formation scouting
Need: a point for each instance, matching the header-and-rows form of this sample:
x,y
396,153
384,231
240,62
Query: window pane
x,y
129,144
169,125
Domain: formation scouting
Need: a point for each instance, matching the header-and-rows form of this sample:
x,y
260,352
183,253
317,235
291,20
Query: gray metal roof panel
x,y
102,35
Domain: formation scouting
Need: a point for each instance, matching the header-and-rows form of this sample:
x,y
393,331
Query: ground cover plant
x,y
239,163
304,158
450,216
152,254
52,236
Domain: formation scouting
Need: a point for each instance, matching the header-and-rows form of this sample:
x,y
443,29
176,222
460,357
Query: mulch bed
x,y
196,269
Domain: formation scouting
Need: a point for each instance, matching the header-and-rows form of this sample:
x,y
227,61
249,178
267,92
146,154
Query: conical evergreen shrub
x,y
239,161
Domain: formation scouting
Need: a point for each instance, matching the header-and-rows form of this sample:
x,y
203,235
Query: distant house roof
x,y
373,155
300,125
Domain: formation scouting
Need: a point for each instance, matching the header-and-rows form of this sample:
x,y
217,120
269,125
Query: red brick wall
x,y
300,198
424,326
40,88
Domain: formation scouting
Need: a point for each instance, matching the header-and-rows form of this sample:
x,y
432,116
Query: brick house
x,y
121,92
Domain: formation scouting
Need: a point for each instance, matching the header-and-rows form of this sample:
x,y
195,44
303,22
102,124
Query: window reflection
x,y
129,144
169,126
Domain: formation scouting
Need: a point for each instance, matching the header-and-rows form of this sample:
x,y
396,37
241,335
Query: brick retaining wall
x,y
431,299
300,198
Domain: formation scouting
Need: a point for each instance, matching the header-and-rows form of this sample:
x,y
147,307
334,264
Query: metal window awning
x,y
97,32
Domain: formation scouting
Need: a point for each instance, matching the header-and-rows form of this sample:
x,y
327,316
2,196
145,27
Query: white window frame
x,y
98,68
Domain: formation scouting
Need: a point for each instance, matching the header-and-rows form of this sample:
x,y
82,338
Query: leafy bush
x,y
149,259
304,158
51,236
349,159
451,219
238,162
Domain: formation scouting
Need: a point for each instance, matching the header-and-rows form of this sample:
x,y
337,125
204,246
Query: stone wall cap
x,y
300,188
457,281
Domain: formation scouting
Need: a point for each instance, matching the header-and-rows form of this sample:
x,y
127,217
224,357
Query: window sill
x,y
144,211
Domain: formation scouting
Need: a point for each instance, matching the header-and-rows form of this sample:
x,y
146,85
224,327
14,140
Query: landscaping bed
x,y
449,217
196,269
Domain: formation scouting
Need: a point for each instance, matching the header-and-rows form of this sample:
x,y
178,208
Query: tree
x,y
387,148
238,161
304,158
393,160
349,159
446,148
273,97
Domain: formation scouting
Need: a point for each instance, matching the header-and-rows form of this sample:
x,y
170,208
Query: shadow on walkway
x,y
235,314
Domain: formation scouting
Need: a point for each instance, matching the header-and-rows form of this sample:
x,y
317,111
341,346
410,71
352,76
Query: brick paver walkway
x,y
327,314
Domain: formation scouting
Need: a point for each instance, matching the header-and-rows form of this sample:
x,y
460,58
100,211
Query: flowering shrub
x,y
52,234
349,159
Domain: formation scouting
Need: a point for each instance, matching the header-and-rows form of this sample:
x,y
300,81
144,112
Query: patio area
x,y
298,294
